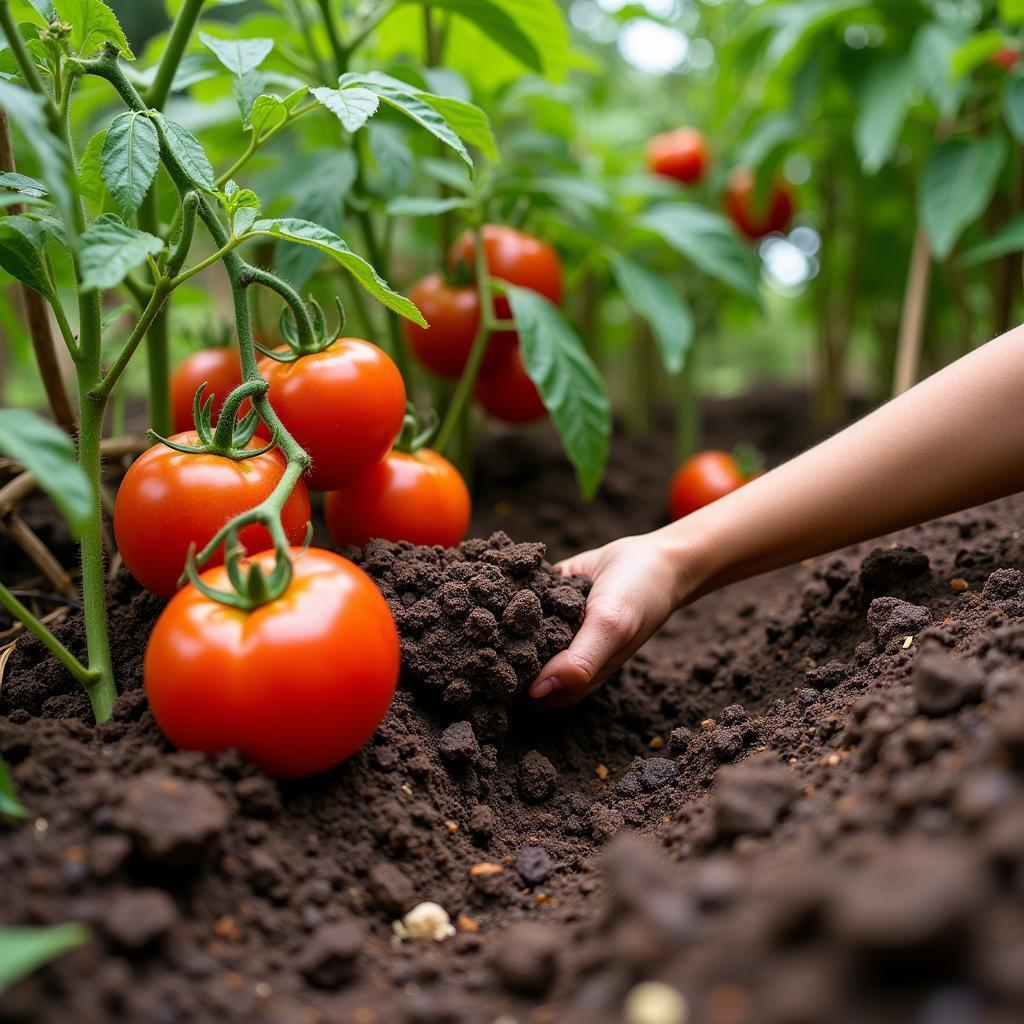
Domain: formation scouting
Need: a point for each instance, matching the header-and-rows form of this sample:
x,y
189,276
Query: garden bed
x,y
784,807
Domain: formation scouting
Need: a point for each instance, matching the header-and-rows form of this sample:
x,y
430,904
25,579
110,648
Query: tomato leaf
x,y
239,56
92,23
569,383
976,50
933,49
304,232
23,241
46,451
23,950
269,110
884,101
187,151
129,159
468,120
22,184
91,186
110,249
708,240
496,22
25,109
662,305
956,186
425,206
1011,11
1009,238
352,107
9,806
1013,106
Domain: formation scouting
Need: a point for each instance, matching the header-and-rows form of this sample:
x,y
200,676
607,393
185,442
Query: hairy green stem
x,y
176,43
464,389
158,349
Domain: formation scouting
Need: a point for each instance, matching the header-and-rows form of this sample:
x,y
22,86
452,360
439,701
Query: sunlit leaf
x,y
111,248
129,159
24,950
92,23
187,151
353,107
882,109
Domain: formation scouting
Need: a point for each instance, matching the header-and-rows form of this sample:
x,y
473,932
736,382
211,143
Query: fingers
x,y
584,564
606,631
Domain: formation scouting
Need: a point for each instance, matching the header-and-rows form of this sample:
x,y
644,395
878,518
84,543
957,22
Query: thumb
x,y
603,634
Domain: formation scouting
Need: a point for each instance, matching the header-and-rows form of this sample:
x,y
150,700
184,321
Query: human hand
x,y
637,583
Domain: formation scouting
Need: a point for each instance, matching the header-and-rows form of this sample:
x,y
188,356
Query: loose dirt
x,y
802,803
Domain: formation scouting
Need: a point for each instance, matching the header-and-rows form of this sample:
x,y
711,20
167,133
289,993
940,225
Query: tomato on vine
x,y
453,312
508,393
415,494
343,404
297,684
1006,58
171,499
219,368
708,476
756,219
681,154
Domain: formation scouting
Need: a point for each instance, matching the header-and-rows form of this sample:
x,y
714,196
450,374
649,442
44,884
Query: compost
x,y
803,802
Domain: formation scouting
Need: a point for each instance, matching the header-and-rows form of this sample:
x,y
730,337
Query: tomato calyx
x,y
231,435
252,586
295,345
749,459
412,437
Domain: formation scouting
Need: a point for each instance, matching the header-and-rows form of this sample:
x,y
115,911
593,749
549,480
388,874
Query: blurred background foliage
x,y
893,120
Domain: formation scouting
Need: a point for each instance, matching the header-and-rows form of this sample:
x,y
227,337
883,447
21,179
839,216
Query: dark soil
x,y
802,803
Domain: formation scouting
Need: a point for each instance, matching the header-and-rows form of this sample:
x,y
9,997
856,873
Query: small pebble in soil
x,y
428,921
525,957
330,957
943,684
137,918
653,1002
538,778
751,797
889,618
533,864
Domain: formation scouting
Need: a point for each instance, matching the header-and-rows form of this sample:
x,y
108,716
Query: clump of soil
x,y
802,802
478,621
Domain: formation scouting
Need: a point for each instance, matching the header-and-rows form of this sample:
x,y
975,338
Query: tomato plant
x,y
753,217
344,404
681,154
507,392
297,684
220,369
702,479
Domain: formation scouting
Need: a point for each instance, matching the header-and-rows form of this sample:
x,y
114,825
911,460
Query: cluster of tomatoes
x,y
451,305
683,154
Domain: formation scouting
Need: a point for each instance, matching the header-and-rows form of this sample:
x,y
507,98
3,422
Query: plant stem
x,y
464,389
157,337
176,43
915,301
20,612
688,408
159,295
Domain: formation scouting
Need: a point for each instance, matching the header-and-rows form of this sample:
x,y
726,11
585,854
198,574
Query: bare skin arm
x,y
955,440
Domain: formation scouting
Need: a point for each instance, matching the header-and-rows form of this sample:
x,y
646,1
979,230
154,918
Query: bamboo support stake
x,y
915,304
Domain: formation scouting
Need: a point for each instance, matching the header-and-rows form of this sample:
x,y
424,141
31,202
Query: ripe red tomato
x,y
682,154
344,405
220,368
752,219
508,393
515,257
453,312
702,479
297,685
1005,58
419,497
169,500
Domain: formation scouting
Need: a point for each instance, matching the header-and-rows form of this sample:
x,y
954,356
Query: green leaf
x,y
771,132
110,249
23,950
884,101
269,111
570,385
239,56
425,206
975,51
25,109
9,806
92,23
956,187
23,241
90,178
934,46
129,159
409,101
1011,11
708,240
495,22
662,305
304,232
22,184
1013,105
392,156
49,454
468,121
242,206
187,151
353,107
1009,238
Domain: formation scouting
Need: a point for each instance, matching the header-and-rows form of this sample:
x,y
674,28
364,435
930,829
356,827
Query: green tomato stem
x,y
181,32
